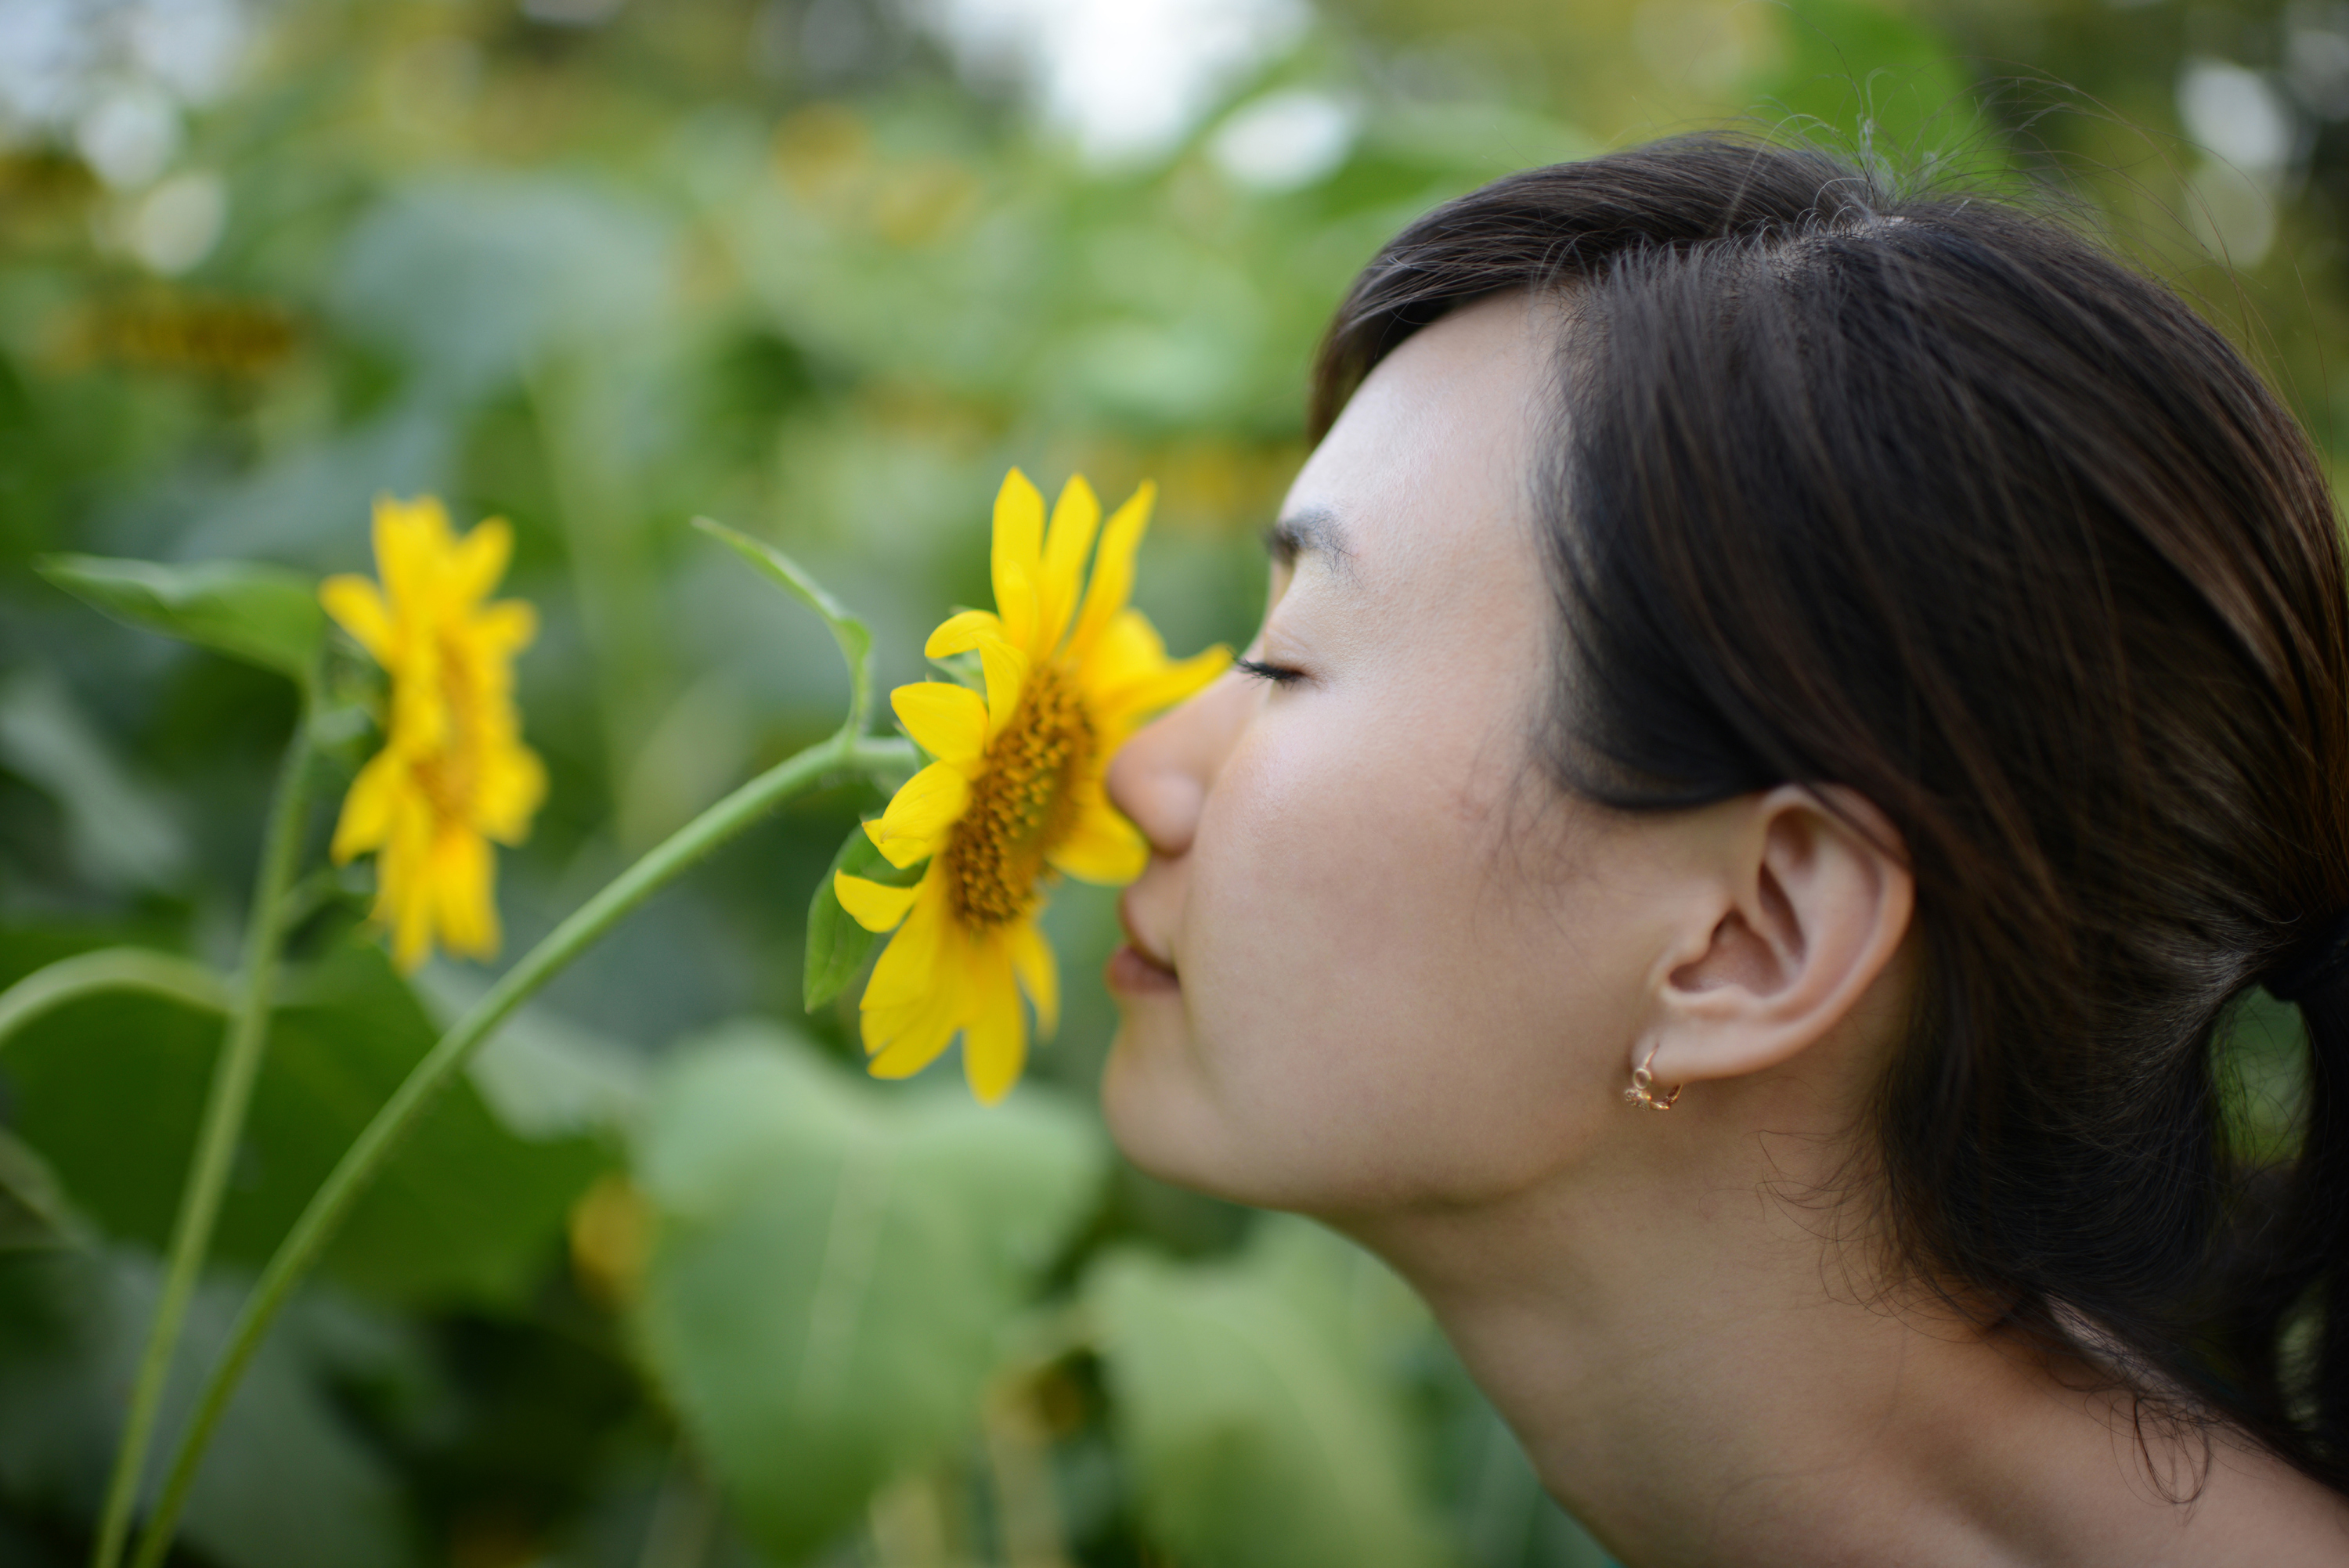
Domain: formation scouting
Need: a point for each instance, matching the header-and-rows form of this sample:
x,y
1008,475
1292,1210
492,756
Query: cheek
x,y
1375,997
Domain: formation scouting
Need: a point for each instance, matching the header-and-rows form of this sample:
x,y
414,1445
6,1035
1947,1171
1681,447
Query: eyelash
x,y
1278,675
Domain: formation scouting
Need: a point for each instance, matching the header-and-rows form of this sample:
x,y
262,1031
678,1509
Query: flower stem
x,y
843,752
223,1124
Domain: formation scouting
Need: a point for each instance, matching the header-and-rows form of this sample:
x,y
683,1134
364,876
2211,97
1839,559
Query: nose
x,y
1161,777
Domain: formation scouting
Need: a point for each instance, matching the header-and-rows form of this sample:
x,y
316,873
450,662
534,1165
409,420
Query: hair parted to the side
x,y
1931,498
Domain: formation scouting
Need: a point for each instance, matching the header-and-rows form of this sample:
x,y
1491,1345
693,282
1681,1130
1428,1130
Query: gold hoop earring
x,y
1643,1085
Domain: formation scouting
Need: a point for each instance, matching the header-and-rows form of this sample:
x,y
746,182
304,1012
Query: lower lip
x,y
1129,974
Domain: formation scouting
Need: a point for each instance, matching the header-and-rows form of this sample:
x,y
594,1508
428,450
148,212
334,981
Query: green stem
x,y
375,1143
232,1092
53,985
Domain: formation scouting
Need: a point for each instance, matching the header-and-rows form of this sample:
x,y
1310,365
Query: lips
x,y
1136,966
1133,973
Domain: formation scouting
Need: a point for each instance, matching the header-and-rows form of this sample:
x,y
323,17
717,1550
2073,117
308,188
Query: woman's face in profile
x,y
1394,965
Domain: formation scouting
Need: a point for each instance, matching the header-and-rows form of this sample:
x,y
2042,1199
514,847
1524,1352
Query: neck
x,y
1702,1372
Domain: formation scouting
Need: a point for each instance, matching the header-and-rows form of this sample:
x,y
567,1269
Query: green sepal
x,y
855,639
265,616
965,669
836,945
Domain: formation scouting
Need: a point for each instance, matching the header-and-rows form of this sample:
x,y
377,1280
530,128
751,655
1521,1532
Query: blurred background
x,y
822,270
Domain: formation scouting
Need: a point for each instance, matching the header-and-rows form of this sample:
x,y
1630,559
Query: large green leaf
x,y
1265,1426
288,1484
265,616
107,1091
836,1264
121,831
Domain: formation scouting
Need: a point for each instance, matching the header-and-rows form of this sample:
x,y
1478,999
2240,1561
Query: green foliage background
x,y
665,1282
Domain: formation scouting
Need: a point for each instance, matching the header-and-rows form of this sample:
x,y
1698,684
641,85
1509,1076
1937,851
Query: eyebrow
x,y
1313,531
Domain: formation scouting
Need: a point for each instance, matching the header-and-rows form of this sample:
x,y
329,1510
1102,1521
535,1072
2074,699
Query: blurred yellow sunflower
x,y
1015,791
453,774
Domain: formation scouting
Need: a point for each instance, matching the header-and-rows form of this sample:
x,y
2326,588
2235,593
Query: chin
x,y
1168,1121
1162,1117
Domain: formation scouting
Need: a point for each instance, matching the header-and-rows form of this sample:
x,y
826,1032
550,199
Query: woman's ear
x,y
1812,899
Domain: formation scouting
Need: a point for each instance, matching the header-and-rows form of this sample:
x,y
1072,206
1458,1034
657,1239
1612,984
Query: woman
x,y
1868,677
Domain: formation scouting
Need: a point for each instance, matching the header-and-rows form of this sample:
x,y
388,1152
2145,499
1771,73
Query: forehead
x,y
1427,470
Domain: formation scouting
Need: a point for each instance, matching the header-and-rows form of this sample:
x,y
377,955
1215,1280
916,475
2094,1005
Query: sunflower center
x,y
1021,806
446,775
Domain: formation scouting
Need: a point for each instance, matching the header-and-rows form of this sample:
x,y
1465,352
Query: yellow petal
x,y
1076,517
1102,847
1113,579
411,539
918,961
401,863
1018,555
915,1049
505,628
885,1027
1128,649
960,633
358,606
511,789
904,1040
368,810
411,933
948,721
995,1035
464,880
421,719
876,906
1007,676
915,825
480,558
1031,959
1161,687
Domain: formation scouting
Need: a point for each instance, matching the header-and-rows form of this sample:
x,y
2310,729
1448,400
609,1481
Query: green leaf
x,y
1264,1425
121,831
108,1089
836,945
289,1484
265,616
835,1267
855,641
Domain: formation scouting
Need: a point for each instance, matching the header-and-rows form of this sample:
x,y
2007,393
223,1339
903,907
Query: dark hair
x,y
1928,497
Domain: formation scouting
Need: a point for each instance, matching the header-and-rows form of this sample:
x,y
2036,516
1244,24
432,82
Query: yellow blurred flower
x,y
1016,791
453,774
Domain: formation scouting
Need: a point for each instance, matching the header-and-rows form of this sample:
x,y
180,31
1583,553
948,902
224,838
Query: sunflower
x,y
453,774
1016,791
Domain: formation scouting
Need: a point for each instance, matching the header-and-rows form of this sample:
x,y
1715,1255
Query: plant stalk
x,y
68,980
845,751
238,1065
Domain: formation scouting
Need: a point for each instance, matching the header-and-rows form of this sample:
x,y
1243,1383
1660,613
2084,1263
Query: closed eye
x,y
1278,675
